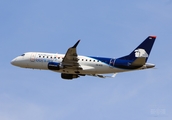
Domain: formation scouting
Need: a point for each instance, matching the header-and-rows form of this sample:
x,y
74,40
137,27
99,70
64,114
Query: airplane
x,y
71,65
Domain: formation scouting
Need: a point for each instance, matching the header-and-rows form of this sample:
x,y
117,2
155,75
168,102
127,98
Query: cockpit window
x,y
23,55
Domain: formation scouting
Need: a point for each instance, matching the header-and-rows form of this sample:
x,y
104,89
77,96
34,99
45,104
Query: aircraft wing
x,y
70,59
102,76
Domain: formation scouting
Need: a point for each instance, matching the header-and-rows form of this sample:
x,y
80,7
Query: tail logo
x,y
140,53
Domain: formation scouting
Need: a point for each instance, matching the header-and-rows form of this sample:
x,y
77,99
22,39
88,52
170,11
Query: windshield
x,y
23,55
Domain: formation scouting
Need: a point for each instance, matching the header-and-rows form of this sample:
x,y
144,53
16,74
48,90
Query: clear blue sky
x,y
110,28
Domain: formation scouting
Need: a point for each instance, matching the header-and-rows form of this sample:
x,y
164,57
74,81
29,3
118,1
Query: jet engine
x,y
54,66
69,76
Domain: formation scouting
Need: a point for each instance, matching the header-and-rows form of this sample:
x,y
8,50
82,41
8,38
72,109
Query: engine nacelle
x,y
54,66
69,76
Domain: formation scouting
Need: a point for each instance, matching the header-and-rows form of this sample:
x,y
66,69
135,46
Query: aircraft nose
x,y
19,61
13,62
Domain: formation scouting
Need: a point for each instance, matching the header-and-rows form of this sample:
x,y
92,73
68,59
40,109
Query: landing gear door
x,y
112,63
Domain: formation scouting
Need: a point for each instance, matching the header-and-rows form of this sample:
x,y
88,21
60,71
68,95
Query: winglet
x,y
76,44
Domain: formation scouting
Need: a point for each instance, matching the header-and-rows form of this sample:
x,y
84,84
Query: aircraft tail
x,y
140,54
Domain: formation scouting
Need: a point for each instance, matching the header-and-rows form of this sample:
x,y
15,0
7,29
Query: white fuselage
x,y
39,60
